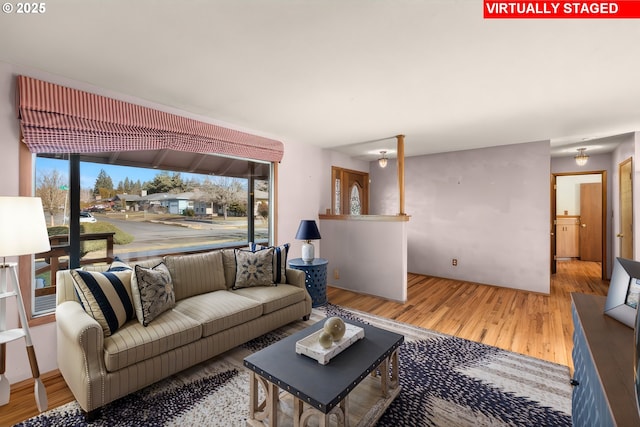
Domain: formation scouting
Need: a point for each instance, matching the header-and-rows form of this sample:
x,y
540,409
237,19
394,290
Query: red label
x,y
561,9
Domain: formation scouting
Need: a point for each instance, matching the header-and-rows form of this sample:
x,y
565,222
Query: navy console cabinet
x,y
603,393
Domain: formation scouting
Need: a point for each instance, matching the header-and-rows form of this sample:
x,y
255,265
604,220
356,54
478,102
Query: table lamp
x,y
307,231
23,231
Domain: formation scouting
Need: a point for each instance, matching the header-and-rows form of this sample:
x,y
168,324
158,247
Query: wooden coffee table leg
x,y
272,404
389,380
253,396
384,377
268,408
395,370
297,411
345,410
341,412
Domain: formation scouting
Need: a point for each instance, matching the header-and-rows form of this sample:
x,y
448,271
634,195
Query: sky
x,y
89,172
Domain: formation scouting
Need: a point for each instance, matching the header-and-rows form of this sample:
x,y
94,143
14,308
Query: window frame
x,y
27,188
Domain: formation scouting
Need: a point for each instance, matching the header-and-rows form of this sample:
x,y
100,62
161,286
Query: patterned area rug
x,y
446,381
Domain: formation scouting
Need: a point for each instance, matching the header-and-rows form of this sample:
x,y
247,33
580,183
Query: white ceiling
x,y
343,73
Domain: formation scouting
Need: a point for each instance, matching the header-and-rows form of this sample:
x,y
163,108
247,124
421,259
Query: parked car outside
x,y
87,217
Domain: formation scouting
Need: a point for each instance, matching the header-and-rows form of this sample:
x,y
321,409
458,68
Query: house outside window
x,y
150,211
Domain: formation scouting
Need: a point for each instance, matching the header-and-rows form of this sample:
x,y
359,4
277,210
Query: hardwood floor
x,y
523,322
23,405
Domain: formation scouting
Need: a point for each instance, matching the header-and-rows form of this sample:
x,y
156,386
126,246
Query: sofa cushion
x,y
220,310
153,292
134,342
254,268
196,274
105,296
274,298
229,262
279,260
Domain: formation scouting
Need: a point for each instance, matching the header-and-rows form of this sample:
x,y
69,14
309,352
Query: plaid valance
x,y
58,119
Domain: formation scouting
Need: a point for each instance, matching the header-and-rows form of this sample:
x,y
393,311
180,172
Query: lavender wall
x,y
626,149
488,208
304,189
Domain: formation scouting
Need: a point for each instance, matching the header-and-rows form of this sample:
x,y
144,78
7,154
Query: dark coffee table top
x,y
323,386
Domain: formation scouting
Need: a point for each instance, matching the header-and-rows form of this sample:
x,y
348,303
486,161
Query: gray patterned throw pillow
x,y
254,268
279,260
156,292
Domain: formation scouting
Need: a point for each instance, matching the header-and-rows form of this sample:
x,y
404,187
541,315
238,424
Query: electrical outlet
x,y
336,274
454,262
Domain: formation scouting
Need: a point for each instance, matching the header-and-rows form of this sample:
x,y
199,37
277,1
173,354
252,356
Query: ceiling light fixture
x,y
581,157
382,161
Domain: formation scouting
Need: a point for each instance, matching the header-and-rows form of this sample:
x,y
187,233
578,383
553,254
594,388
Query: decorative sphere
x,y
335,326
325,339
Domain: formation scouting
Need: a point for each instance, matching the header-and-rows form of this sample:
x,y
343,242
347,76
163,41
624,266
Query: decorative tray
x,y
309,346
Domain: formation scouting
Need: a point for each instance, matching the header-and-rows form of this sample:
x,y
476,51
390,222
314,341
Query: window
x,y
337,195
150,211
55,120
356,206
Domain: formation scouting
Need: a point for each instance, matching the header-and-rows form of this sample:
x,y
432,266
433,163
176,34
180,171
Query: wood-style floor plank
x,y
22,404
523,322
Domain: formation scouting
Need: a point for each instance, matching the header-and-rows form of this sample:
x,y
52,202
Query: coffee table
x,y
324,390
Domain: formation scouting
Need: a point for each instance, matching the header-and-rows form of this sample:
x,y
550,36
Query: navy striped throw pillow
x,y
106,297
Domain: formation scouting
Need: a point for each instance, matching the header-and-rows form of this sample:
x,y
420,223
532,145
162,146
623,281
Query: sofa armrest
x,y
65,291
296,277
80,350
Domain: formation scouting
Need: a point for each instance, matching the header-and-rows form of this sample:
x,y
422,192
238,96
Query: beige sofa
x,y
206,320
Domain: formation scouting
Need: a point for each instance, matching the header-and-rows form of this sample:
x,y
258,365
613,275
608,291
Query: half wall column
x,y
400,149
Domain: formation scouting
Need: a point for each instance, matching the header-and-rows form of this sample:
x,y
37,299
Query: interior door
x,y
355,196
591,222
552,226
626,209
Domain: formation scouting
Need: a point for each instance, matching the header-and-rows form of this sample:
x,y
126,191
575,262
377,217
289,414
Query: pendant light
x,y
581,157
382,161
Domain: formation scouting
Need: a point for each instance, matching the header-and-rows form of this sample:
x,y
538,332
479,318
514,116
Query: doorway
x,y
578,220
625,235
350,190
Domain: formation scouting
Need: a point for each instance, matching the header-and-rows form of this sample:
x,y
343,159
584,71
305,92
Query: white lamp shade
x,y
23,229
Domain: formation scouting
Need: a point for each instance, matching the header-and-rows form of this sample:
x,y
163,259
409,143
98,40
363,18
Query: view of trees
x,y
164,182
226,193
104,186
52,189
128,186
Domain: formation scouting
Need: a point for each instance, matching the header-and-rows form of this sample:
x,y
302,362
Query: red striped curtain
x,y
58,119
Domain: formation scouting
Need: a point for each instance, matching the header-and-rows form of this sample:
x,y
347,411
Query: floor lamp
x,y
23,231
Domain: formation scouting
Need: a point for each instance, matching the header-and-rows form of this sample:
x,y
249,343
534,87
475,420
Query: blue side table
x,y
316,278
